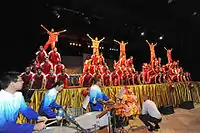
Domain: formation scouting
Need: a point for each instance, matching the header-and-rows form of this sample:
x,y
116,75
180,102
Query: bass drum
x,y
58,129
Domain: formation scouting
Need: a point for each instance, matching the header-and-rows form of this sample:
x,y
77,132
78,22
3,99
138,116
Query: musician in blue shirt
x,y
12,103
49,101
95,95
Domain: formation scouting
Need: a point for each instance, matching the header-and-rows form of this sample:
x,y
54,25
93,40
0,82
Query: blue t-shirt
x,y
96,93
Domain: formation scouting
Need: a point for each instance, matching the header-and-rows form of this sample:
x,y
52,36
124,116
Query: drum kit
x,y
91,122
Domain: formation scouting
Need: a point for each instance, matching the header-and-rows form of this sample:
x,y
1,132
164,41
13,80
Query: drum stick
x,y
51,119
51,123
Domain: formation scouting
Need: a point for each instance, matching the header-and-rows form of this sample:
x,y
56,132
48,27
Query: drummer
x,y
96,94
49,101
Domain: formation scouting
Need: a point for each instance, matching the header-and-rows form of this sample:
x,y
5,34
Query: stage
x,y
159,93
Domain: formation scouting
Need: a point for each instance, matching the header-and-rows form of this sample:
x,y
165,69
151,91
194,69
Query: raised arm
x,y
148,42
126,43
155,44
165,48
90,37
62,31
44,28
102,39
116,41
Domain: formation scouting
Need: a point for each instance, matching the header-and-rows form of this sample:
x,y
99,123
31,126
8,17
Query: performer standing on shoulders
x,y
12,102
49,101
41,55
122,48
169,54
53,37
149,114
152,51
54,56
95,94
95,44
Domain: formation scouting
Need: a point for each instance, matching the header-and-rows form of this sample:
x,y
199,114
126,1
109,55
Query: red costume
x,y
41,56
50,80
46,66
106,79
92,69
64,77
97,75
54,57
101,60
38,80
95,59
115,79
26,78
58,68
86,80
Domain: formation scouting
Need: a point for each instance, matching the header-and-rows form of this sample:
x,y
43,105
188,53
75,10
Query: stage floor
x,y
182,121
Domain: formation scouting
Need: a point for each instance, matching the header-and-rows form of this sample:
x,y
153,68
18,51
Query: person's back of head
x,y
8,77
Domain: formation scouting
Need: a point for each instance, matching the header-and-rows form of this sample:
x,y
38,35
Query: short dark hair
x,y
58,83
95,80
7,78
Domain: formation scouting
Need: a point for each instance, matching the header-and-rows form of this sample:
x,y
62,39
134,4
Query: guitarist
x,y
96,94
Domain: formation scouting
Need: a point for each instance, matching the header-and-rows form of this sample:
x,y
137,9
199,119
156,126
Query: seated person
x,y
95,95
49,101
149,114
12,103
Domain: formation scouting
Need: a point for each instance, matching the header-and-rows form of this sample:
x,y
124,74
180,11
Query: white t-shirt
x,y
149,107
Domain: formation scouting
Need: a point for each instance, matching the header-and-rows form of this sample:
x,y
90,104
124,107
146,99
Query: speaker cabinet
x,y
187,105
166,110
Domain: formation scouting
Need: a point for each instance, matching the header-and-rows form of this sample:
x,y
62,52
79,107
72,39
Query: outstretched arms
x,y
116,41
44,28
126,43
148,42
90,37
62,31
102,39
165,48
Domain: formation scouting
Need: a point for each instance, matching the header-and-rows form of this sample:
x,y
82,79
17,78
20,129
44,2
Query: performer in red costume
x,y
33,66
64,77
95,58
129,62
26,77
97,75
101,59
169,54
38,80
145,69
54,56
106,79
92,68
86,65
115,78
152,50
122,61
41,55
46,66
51,79
87,79
58,67
124,78
53,37
122,48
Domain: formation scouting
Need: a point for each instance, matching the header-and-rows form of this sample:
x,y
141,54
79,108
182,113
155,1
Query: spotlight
x,y
142,34
161,37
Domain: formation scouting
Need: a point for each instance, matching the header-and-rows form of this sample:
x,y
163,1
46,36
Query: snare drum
x,y
58,129
89,120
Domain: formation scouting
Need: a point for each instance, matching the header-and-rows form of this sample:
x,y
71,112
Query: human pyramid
x,y
124,72
46,69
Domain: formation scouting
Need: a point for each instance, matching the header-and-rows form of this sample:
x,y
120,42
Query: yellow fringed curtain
x,y
159,93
